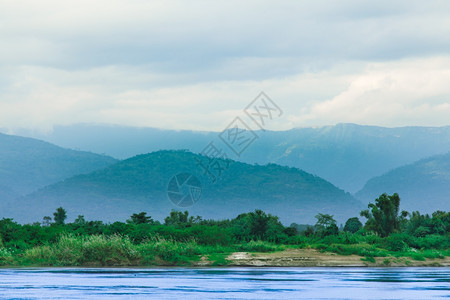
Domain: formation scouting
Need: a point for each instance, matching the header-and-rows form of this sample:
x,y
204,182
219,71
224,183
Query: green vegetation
x,y
353,225
185,240
383,216
60,216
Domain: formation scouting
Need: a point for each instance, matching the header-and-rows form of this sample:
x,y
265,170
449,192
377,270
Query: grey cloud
x,y
101,56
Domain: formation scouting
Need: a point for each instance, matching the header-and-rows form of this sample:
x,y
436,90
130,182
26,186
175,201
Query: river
x,y
225,283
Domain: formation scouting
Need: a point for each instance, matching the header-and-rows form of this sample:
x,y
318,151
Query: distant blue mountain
x,y
28,164
347,155
423,185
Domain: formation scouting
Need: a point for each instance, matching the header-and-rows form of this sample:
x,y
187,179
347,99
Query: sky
x,y
197,64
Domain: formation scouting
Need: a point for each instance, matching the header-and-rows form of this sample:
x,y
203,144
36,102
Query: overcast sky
x,y
197,64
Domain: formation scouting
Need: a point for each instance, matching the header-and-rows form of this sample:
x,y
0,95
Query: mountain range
x,y
294,174
347,155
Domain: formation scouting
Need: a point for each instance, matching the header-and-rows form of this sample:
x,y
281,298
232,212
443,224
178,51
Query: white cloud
x,y
410,92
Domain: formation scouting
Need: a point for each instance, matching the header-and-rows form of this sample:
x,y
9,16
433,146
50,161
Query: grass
x,y
260,246
369,259
117,250
6,257
369,252
219,259
356,249
92,250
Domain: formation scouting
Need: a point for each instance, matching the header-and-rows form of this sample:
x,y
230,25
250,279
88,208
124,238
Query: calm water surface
x,y
225,283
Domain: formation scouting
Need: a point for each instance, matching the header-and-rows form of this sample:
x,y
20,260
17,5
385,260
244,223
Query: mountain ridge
x,y
348,155
27,164
424,183
140,184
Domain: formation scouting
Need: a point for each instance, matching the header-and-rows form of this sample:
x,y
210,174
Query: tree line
x,y
383,220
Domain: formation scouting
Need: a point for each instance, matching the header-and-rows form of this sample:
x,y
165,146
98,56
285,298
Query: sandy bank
x,y
314,258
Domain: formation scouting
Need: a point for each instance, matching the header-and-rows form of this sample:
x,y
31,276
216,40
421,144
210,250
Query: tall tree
x,y
352,225
140,218
178,219
46,221
60,216
80,220
326,225
259,222
383,216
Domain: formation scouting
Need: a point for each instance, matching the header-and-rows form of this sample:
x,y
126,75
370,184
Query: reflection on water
x,y
226,283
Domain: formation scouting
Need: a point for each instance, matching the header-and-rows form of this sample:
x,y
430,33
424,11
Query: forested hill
x,y
423,185
140,184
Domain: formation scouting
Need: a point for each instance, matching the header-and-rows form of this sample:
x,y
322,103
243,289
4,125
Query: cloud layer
x,y
197,64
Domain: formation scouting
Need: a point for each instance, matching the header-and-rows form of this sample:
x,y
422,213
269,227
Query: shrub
x,y
417,256
432,254
219,259
68,251
210,235
397,245
433,242
42,255
76,251
108,251
369,259
6,257
352,225
259,246
169,251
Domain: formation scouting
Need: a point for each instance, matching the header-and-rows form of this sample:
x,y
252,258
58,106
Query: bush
x,y
259,246
371,239
168,251
422,231
42,255
68,251
342,238
417,256
433,242
357,249
77,251
353,225
6,257
210,235
433,254
397,243
108,251
369,259
219,259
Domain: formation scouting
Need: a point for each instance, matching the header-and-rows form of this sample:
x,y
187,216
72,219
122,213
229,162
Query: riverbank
x,y
290,257
119,251
314,258
250,239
